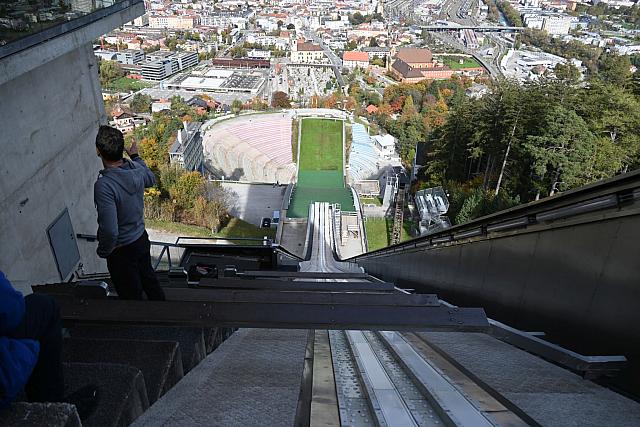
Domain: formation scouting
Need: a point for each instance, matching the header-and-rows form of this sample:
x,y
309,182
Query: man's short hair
x,y
110,143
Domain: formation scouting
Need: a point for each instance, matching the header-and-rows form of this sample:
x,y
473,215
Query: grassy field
x,y
321,145
125,84
235,228
379,232
453,62
320,175
371,201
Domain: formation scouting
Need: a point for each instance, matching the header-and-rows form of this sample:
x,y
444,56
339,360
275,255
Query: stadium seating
x,y
251,148
364,159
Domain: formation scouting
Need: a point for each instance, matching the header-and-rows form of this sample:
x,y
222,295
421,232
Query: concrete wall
x,y
49,118
50,110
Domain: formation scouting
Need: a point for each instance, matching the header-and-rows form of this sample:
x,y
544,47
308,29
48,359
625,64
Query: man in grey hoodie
x,y
122,239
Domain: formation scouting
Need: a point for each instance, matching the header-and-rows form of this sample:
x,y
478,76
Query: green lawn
x,y
235,228
125,84
379,232
371,201
321,145
320,174
453,62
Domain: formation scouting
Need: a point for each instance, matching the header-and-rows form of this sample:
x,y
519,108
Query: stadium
x,y
318,160
254,148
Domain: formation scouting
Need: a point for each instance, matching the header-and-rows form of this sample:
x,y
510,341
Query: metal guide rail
x,y
363,378
276,302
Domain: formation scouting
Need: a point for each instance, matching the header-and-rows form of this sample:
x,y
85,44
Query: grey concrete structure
x,y
255,201
253,378
49,115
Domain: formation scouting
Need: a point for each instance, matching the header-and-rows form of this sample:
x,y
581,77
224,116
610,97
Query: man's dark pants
x,y
132,273
42,323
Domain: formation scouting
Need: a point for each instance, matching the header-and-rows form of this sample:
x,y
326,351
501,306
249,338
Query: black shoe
x,y
85,399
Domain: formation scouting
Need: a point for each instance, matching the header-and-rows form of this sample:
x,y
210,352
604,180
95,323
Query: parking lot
x,y
255,201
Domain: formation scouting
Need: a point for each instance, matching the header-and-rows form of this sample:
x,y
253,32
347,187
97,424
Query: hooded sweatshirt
x,y
119,197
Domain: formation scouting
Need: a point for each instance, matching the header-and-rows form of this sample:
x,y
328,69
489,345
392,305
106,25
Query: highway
x,y
462,12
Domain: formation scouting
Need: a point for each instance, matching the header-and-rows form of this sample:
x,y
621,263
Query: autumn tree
x,y
109,72
236,106
280,100
186,189
141,103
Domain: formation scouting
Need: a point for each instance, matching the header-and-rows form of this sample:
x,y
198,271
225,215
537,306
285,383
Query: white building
x,y
386,145
259,54
354,59
130,56
141,21
224,21
161,68
186,151
82,6
557,24
306,53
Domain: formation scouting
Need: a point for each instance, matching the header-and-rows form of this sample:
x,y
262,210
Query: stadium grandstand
x,y
367,161
250,148
364,159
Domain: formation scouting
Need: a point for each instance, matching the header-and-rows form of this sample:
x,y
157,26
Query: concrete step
x,y
213,337
190,339
22,414
159,361
121,388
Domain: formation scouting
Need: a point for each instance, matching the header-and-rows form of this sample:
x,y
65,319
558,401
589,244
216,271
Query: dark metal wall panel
x,y
579,283
509,262
616,301
564,271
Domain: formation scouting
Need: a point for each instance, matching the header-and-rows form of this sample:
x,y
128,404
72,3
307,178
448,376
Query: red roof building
x,y
353,59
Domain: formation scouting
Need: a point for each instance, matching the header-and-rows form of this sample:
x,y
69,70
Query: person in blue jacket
x,y
30,346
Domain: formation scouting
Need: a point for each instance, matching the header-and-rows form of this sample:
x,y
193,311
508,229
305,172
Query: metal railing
x,y
182,243
604,195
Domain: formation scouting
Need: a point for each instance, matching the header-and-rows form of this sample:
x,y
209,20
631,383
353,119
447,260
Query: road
x,y
463,12
335,61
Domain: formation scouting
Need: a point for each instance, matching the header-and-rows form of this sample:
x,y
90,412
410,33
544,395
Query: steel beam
x,y
288,297
271,314
99,290
297,285
303,275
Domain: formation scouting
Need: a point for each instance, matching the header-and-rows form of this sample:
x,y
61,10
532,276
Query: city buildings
x,y
306,53
552,23
353,59
180,22
164,64
412,65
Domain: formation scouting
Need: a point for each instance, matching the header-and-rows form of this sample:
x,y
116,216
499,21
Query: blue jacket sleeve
x,y
11,306
107,219
17,356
